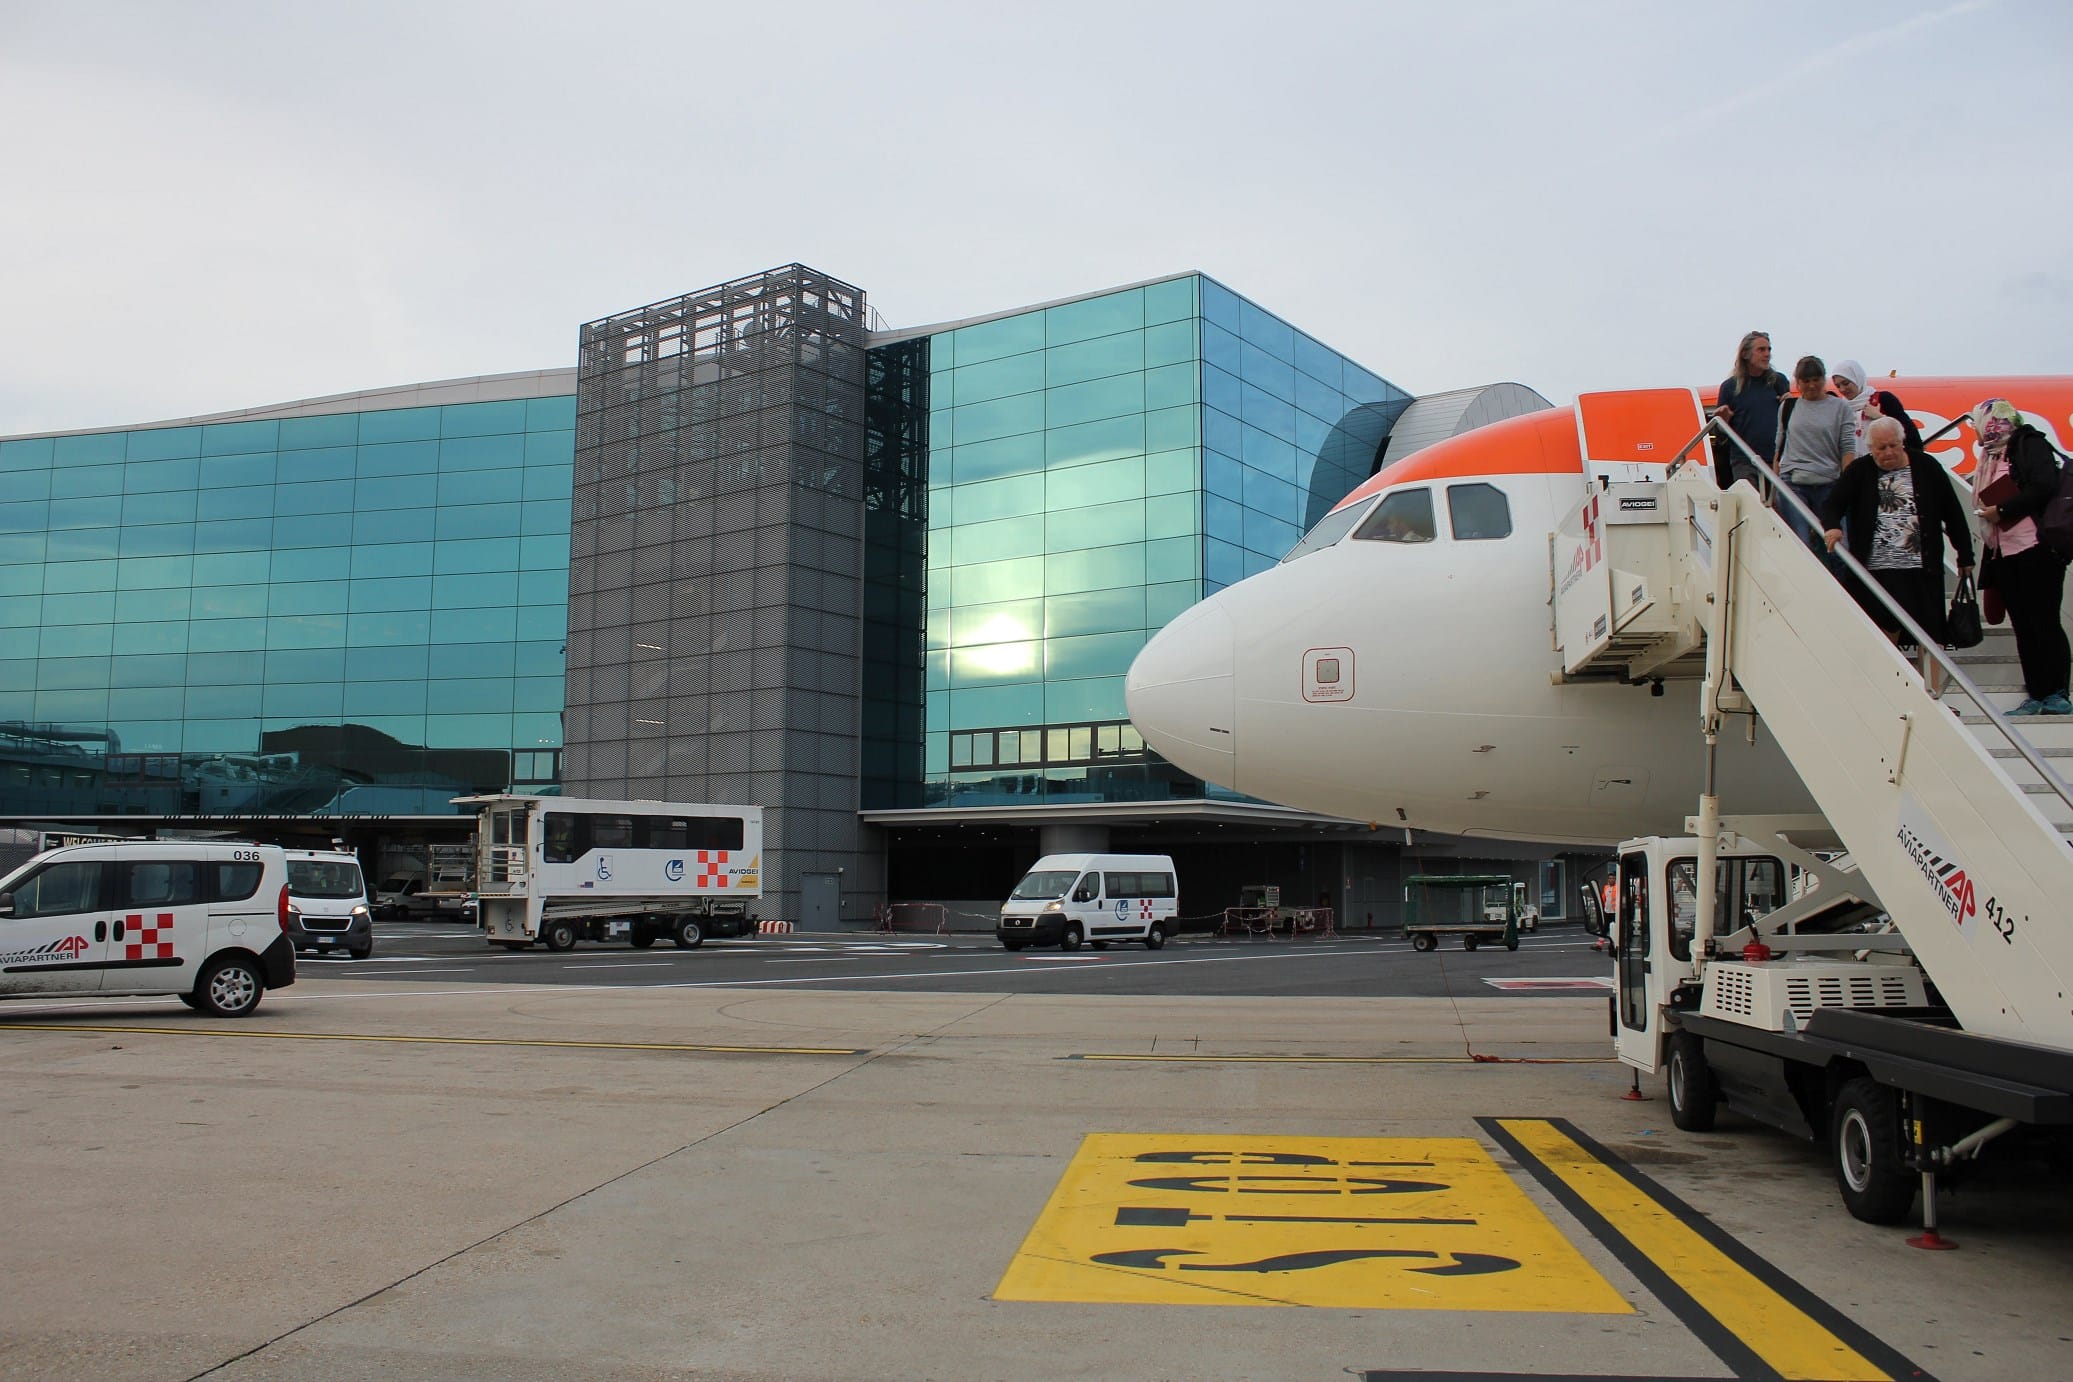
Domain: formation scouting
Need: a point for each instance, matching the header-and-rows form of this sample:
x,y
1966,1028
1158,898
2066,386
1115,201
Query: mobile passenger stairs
x,y
1914,1001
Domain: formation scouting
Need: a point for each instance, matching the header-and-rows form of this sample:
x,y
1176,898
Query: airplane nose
x,y
1180,693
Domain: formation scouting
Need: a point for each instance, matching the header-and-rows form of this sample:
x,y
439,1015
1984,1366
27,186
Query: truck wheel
x,y
1156,937
559,935
1471,942
1693,1098
231,987
1011,945
1865,1138
1423,941
642,936
688,934
1511,945
1072,937
364,952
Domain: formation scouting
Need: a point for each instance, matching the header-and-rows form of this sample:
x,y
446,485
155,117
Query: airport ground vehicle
x,y
328,910
556,870
441,892
204,922
1477,907
1072,899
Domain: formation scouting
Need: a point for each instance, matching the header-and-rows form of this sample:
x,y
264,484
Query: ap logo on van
x,y
1123,908
674,870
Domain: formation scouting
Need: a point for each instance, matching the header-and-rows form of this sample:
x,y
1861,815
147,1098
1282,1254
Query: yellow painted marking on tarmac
x,y
1342,1222
1357,1060
1773,1327
438,1040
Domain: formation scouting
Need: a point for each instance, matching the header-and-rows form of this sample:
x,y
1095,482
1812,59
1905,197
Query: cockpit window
x,y
1328,530
1405,516
1479,512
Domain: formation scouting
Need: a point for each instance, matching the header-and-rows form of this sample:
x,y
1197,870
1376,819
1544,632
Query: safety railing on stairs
x,y
1783,493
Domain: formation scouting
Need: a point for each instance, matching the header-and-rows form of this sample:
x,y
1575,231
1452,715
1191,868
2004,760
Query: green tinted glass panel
x,y
1102,316
1098,525
98,449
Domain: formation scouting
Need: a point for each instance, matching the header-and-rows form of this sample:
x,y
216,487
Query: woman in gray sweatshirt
x,y
1816,438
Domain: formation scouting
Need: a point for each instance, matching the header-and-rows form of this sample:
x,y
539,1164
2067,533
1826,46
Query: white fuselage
x,y
1443,713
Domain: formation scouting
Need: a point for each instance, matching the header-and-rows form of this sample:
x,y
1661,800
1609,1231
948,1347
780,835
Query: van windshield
x,y
1048,883
323,878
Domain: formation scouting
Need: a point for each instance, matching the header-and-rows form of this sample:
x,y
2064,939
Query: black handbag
x,y
1961,627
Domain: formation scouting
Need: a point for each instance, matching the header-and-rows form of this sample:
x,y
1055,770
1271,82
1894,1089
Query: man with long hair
x,y
1749,402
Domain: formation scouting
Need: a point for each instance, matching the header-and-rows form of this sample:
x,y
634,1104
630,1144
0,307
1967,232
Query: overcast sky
x,y
210,206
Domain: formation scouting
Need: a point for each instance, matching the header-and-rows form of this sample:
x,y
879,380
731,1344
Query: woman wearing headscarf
x,y
1871,405
2017,476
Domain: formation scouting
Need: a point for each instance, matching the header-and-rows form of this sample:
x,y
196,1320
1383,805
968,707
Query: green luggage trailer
x,y
1478,907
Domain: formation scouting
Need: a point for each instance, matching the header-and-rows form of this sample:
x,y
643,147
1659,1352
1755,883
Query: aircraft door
x,y
1639,1019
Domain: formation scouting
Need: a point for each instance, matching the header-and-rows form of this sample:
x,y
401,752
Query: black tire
x,y
1011,945
687,933
1423,941
230,987
364,952
1470,942
1072,938
559,935
1511,945
1694,1098
1865,1139
1155,938
642,937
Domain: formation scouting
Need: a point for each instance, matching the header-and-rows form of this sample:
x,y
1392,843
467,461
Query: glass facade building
x,y
350,612
877,599
1095,467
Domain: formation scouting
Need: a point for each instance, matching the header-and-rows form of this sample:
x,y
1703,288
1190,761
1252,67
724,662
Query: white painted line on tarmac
x,y
505,991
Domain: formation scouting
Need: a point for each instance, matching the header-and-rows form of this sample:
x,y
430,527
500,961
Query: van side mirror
x,y
1083,893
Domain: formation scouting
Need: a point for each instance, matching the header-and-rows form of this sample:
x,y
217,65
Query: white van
x,y
206,922
1068,899
327,900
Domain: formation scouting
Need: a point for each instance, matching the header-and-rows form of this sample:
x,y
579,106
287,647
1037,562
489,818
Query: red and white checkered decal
x,y
148,942
712,868
1144,910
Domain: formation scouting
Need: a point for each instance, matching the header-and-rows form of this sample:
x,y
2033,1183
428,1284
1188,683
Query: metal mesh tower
x,y
716,564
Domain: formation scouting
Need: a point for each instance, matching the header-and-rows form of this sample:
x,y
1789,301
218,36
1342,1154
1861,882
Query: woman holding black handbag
x,y
1900,505
2018,474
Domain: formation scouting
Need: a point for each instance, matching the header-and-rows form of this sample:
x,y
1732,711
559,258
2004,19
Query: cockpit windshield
x,y
1327,531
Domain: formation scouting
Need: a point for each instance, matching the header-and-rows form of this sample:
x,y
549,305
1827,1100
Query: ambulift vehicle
x,y
1477,907
555,870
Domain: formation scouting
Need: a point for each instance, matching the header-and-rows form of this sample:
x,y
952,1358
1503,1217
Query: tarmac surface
x,y
510,1181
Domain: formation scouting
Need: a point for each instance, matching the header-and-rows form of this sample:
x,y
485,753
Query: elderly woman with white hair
x,y
1900,506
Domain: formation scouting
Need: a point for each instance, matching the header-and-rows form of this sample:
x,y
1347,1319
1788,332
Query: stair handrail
x,y
1929,646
